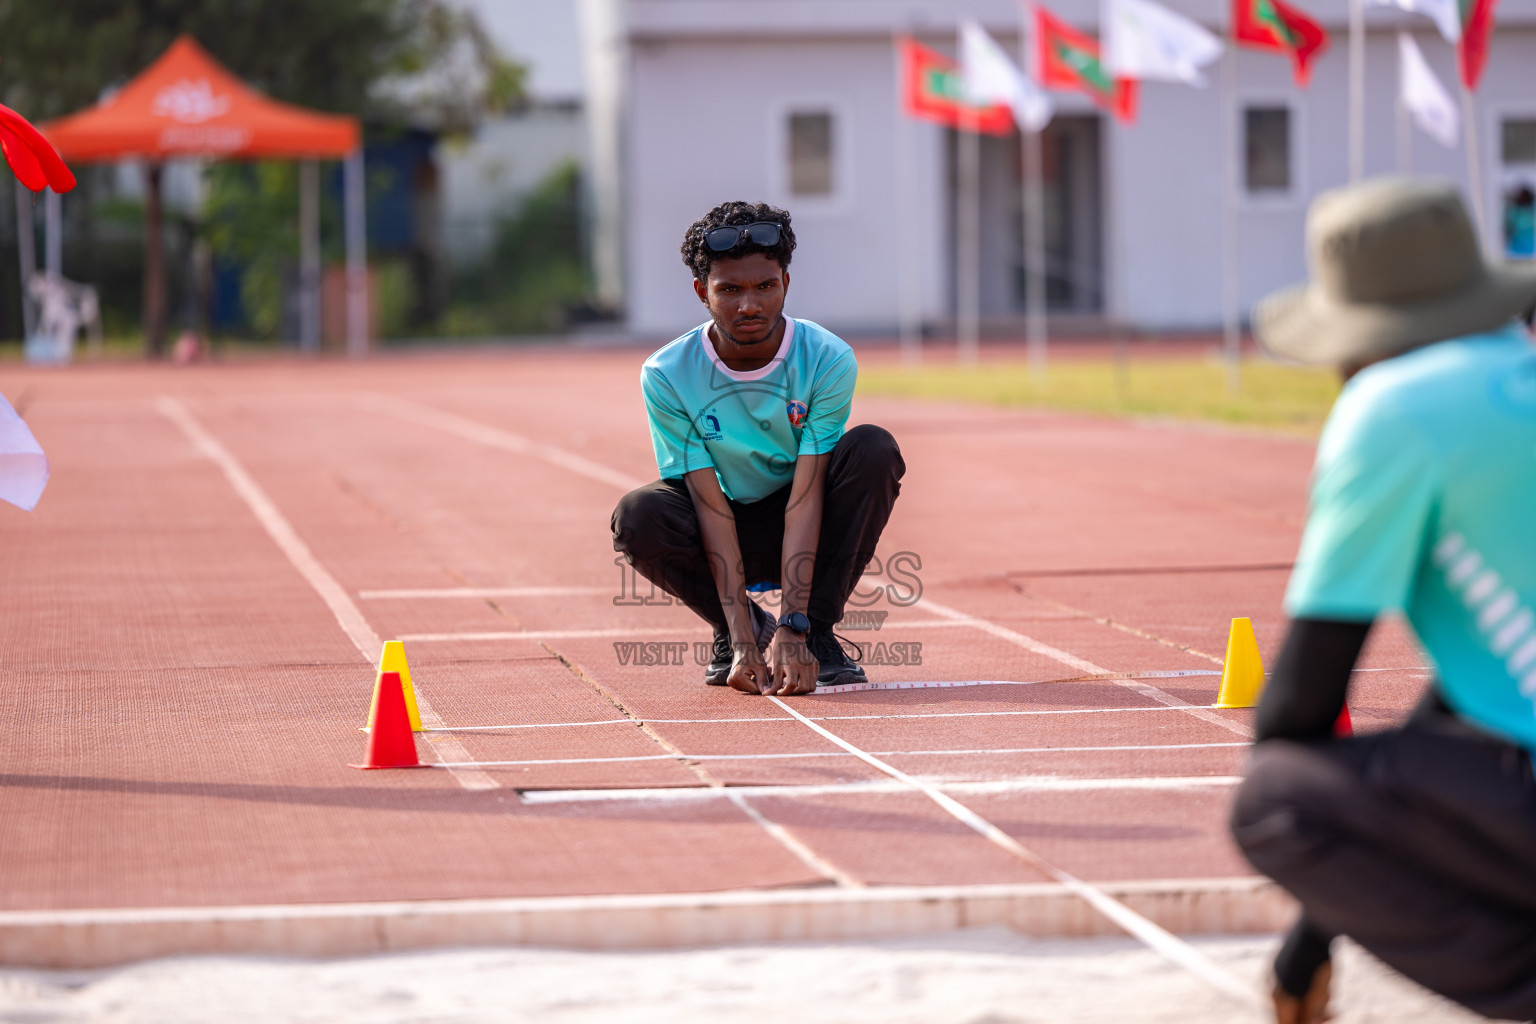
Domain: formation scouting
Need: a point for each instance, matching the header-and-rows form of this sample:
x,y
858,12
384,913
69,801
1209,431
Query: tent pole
x,y
357,257
154,263
309,256
26,252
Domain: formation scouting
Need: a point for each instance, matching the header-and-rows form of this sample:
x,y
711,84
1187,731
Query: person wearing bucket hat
x,y
1419,840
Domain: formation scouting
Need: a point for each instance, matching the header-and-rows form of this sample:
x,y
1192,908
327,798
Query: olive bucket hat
x,y
1394,265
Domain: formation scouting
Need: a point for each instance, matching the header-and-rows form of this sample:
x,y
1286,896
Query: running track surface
x,y
181,704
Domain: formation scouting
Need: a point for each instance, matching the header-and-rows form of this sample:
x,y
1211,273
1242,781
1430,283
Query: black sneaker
x,y
837,669
719,669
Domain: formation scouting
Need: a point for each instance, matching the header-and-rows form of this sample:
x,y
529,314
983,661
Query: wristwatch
x,y
795,622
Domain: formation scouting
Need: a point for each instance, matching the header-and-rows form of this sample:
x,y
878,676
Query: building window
x,y
1267,149
1517,148
1517,141
810,153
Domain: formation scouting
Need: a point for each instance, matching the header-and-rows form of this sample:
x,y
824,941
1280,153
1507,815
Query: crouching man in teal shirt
x,y
760,481
1418,841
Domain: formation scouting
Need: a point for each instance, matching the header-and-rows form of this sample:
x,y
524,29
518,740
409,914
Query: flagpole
x,y
26,255
1356,90
1231,329
968,240
908,309
1404,125
1474,164
1035,324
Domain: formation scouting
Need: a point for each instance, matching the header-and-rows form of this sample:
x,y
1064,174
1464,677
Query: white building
x,y
483,179
716,98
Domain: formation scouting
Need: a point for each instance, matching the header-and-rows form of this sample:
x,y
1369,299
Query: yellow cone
x,y
393,660
1242,676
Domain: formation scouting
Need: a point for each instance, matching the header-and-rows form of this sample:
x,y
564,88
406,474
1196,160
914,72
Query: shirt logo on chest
x,y
797,412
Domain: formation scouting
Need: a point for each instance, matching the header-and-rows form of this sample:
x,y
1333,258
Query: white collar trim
x,y
746,375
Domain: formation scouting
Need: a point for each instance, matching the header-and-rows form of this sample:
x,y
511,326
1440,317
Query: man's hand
x,y
749,673
792,668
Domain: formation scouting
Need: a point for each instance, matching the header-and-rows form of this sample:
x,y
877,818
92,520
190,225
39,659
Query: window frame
x,y
842,164
1296,194
1498,175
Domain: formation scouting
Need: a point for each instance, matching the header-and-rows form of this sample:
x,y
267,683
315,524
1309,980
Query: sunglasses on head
x,y
724,239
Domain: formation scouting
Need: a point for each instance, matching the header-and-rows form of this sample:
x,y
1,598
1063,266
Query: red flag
x,y
33,159
931,91
1070,60
1278,27
1472,50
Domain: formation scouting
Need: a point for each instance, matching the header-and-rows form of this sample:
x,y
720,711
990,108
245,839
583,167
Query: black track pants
x,y
1419,843
656,528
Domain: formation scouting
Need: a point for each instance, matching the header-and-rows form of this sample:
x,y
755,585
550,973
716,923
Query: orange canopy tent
x,y
188,105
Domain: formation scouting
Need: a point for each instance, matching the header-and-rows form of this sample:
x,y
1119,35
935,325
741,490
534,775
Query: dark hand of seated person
x,y
749,672
792,666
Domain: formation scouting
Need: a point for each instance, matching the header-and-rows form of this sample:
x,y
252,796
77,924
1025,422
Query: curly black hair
x,y
699,257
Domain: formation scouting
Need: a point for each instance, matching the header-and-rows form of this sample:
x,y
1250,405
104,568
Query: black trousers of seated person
x,y
1419,843
656,528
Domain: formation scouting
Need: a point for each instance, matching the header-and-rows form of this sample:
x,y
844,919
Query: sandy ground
x,y
988,976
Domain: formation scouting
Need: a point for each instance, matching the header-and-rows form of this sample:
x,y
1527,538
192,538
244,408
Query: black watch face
x,y
797,622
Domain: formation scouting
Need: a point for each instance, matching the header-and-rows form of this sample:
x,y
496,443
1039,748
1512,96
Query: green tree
x,y
57,56
427,63
535,276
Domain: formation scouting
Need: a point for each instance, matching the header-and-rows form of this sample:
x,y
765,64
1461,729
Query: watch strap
x,y
796,622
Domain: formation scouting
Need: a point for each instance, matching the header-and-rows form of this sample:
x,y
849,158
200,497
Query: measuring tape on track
x,y
950,683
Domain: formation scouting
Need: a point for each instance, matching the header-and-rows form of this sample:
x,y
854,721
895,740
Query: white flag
x,y
988,76
1143,39
1446,14
23,466
1424,96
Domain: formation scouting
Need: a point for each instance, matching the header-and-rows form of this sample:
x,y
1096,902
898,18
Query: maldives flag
x,y
1472,51
1070,60
1275,25
931,91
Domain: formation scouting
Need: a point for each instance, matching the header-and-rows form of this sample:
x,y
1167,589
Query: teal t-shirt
x,y
1424,502
750,426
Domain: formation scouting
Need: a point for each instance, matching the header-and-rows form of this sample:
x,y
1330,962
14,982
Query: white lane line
x,y
996,787
1158,938
351,620
445,593
552,634
922,715
495,437
988,714
556,725
981,752
1029,643
597,634
575,760
790,841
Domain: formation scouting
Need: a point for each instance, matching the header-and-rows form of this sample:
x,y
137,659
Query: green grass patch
x,y
1271,395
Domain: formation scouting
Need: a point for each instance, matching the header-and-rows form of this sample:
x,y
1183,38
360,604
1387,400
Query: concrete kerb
x,y
101,938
